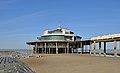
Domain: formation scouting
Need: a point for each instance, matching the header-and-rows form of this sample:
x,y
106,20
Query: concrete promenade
x,y
12,65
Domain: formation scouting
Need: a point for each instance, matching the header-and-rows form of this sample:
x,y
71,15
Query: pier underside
x,y
58,47
55,47
53,50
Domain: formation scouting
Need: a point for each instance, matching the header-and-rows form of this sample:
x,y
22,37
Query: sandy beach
x,y
73,63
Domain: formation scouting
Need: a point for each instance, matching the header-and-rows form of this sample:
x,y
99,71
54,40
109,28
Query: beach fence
x,y
12,65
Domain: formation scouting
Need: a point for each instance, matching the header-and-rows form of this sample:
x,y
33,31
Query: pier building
x,y
56,41
65,41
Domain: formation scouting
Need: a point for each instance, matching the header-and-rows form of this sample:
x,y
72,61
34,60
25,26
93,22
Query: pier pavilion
x,y
56,41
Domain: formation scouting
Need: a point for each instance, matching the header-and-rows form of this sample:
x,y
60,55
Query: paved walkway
x,y
12,65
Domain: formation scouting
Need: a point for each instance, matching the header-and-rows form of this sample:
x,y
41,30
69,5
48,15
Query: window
x,y
66,32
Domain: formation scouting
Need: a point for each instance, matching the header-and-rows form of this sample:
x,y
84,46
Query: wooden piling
x,y
94,48
115,48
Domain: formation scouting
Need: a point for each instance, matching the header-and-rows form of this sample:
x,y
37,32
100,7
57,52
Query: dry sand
x,y
73,63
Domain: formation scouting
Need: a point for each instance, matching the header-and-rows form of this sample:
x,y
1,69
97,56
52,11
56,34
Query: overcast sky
x,y
24,20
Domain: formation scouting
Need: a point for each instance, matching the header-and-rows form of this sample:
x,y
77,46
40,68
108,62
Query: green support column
x,y
45,48
94,48
72,50
68,48
81,47
90,48
115,48
104,48
36,48
56,48
65,50
42,50
100,49
49,50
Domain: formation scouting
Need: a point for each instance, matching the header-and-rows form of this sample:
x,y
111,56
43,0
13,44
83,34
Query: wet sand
x,y
73,63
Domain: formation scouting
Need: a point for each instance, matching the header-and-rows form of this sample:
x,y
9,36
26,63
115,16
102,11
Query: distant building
x,y
56,41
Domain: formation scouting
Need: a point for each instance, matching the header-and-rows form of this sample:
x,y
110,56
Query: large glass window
x,y
52,38
66,32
